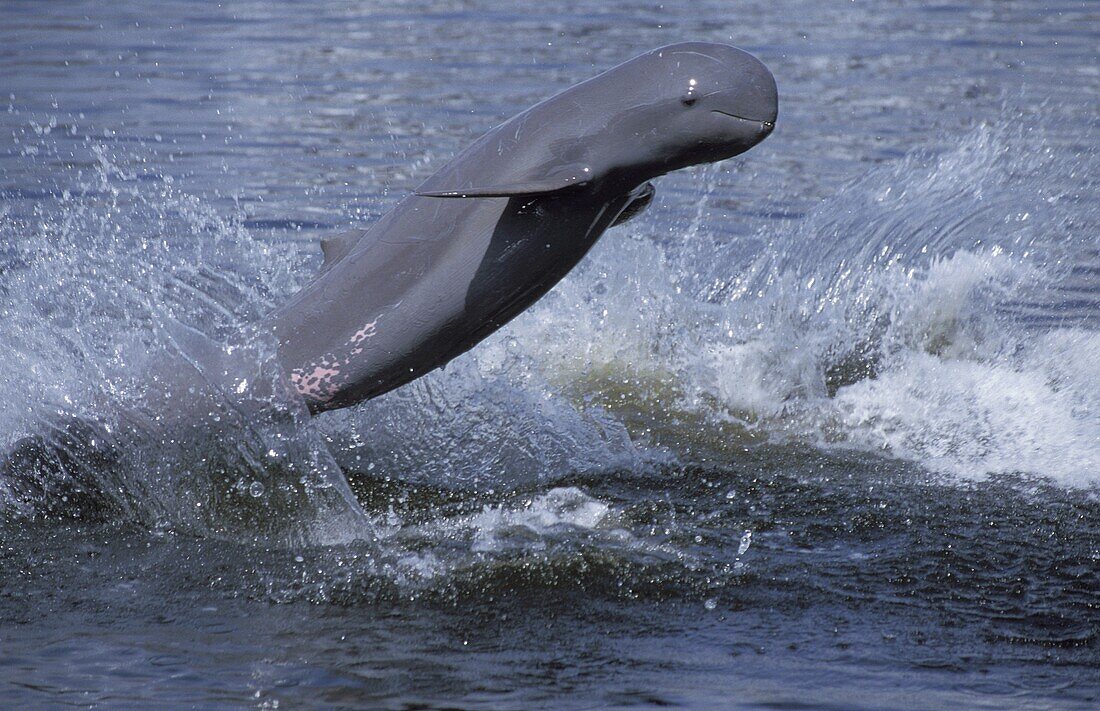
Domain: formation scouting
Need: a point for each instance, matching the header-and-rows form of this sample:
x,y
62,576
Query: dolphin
x,y
496,227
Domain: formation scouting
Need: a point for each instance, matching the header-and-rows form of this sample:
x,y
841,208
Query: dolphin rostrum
x,y
506,219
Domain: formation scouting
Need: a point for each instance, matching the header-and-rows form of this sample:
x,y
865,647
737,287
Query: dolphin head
x,y
690,103
680,105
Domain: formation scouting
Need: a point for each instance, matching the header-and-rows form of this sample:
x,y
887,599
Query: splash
x,y
139,395
939,310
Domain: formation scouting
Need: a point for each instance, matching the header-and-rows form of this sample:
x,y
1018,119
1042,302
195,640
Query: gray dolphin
x,y
506,219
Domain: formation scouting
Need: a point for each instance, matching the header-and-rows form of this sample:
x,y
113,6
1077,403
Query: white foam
x,y
495,526
972,419
559,515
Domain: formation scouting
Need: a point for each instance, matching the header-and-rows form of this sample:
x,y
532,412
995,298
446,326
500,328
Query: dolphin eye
x,y
688,99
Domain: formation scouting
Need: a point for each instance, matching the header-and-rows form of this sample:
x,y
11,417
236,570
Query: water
x,y
819,429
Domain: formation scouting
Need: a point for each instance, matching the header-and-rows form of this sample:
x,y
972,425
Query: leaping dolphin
x,y
506,219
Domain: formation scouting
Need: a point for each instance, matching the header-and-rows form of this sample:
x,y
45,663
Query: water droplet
x,y
256,489
746,541
710,603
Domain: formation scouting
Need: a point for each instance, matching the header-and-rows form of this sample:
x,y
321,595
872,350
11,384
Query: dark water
x,y
820,429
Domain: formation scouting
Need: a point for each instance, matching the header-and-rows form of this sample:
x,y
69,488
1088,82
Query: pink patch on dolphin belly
x,y
318,384
367,331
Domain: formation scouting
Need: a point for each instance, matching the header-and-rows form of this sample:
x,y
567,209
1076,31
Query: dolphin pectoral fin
x,y
567,176
335,247
640,199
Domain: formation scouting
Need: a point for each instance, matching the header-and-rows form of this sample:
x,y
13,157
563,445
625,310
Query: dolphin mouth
x,y
768,125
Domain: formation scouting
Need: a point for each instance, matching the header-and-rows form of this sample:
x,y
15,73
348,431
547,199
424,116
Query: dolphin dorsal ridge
x,y
336,247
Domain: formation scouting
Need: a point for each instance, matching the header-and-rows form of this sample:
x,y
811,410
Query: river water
x,y
820,429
